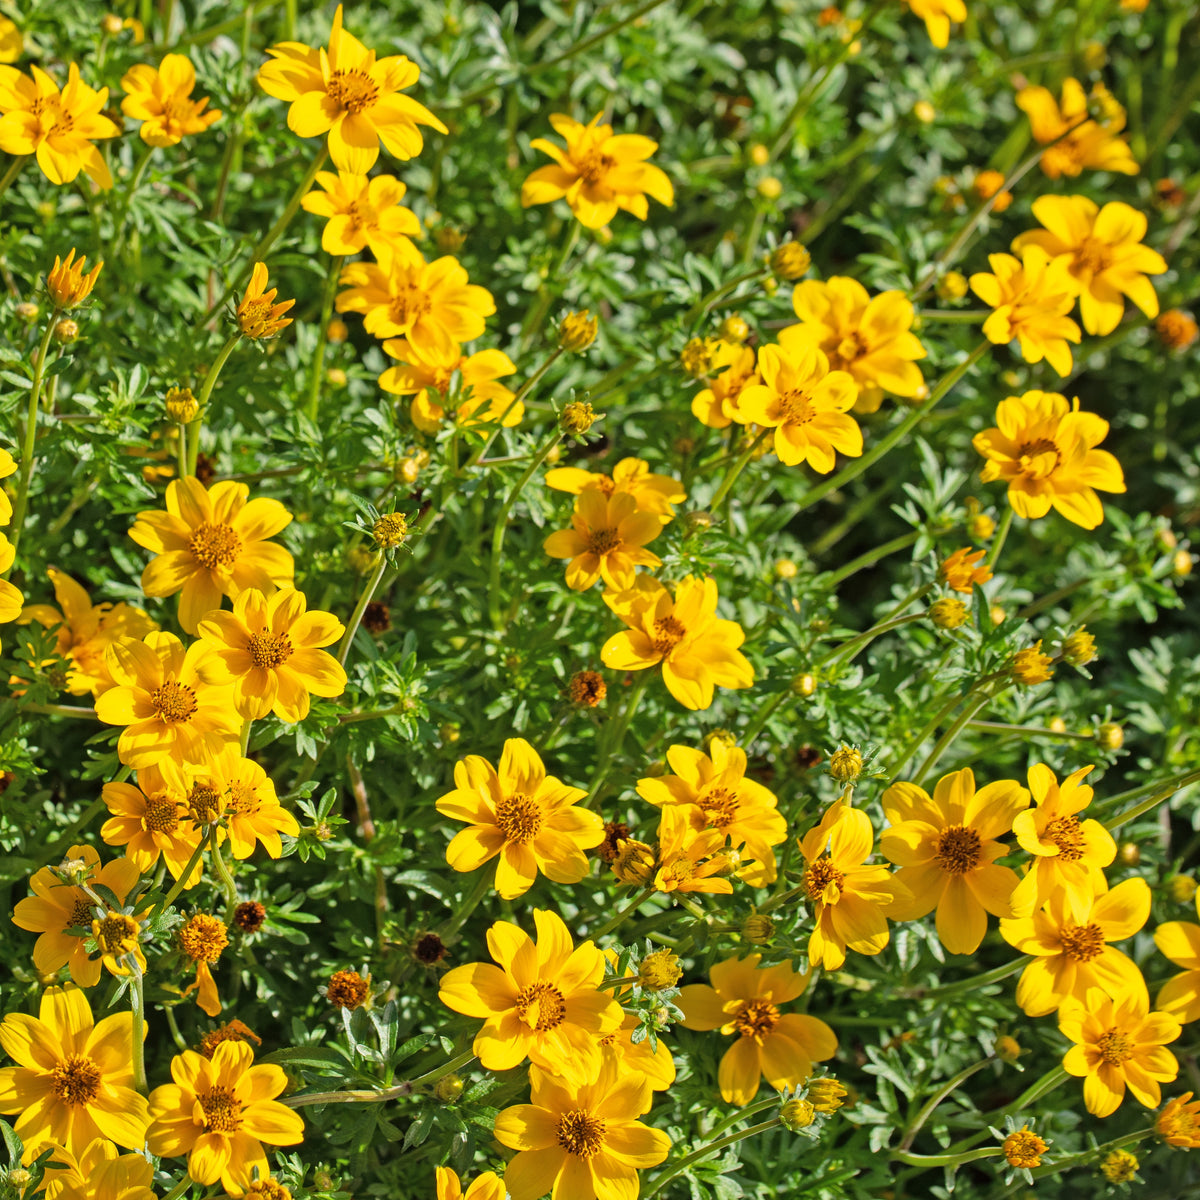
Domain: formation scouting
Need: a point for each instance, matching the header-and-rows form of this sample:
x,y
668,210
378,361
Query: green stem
x,y
138,1007
223,873
522,392
947,1159
1161,792
621,914
210,381
1035,730
360,608
943,743
705,1151
927,1109
168,1011
971,316
483,883
859,643
873,556
85,818
969,984
318,367
709,299
764,714
614,741
737,468
178,1190
134,181
1082,1159
184,875
545,294
14,169
1001,536
381,1096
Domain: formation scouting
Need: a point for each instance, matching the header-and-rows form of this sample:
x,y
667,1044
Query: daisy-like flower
x,y
56,906
431,304
161,98
744,999
1030,298
1105,254
361,212
850,900
219,1112
268,649
1179,1122
654,1064
12,599
542,1002
167,709
607,540
656,494
946,847
519,813
152,820
598,173
12,44
488,1186
59,127
714,793
869,337
1045,448
260,315
937,15
98,1173
212,544
347,92
1119,1044
1179,941
963,569
719,404
73,1082
86,630
69,283
806,404
697,650
429,377
1079,142
8,466
689,860
1072,946
202,938
1068,854
581,1142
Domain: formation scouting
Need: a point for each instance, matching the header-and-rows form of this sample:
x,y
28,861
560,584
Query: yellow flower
x,y
430,304
1024,1149
1030,298
478,396
607,539
526,817
654,493
1046,449
118,938
1030,666
542,1002
12,44
258,315
581,1142
1179,1122
688,859
98,1173
73,1079
86,630
937,15
963,569
210,544
719,405
350,94
1118,1044
698,650
8,467
598,173
12,600
1079,142
152,820
59,127
56,906
744,999
361,212
219,1113
67,283
870,337
202,938
655,1065
1104,252
850,901
161,98
806,404
1119,1166
1179,941
167,709
1175,329
1070,939
1068,854
488,1186
945,847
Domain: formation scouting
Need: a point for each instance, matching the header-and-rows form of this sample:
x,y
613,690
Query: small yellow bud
x,y
448,239
360,559
1008,1048
1181,564
845,764
804,684
981,527
785,568
770,188
19,1177
1079,648
697,521
47,210
634,863
1119,1166
924,112
826,1094
1056,725
26,311
336,376
1030,666
758,929
181,405
660,971
73,870
949,612
577,331
577,418
734,328
323,831
67,283
719,737
390,530
111,25
1110,735
1164,539
448,1088
1129,854
759,154
696,358
770,285
66,331
791,260
797,1114
449,733
997,614
952,286
1094,55
337,331
408,470
554,455
1181,889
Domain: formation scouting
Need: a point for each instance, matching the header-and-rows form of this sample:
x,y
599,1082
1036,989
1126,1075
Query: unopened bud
x,y
949,612
981,527
390,530
634,863
336,376
660,971
1181,888
797,1114
66,331
1008,1048
790,261
448,1088
1181,564
759,154
577,418
1056,725
181,405
770,188
758,929
577,331
337,331
952,286
1129,854
1079,648
1110,735
804,684
924,112
845,764
111,24
697,521
734,328
826,1095
26,311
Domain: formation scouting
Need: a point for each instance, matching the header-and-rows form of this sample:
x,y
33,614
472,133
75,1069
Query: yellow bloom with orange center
x,y
606,540
656,494
1119,1044
869,337
259,315
152,821
1071,941
1179,941
1105,256
582,1142
937,15
202,938
167,709
268,648
542,1002
488,1186
1030,299
218,1112
1078,141
161,98
350,94
69,283
56,906
697,650
73,1082
59,127
98,1173
1046,450
654,1064
946,846
212,544
745,1000
1179,1122
598,174
361,212
526,818
689,860
962,570
719,404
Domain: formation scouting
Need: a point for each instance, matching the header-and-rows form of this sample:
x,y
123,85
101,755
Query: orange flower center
x,y
1114,1047
204,803
852,346
256,319
795,408
756,1018
1024,1149
174,702
595,167
580,1133
269,650
668,633
352,90
958,850
203,937
161,814
519,817
222,1111
720,807
1065,833
603,541
81,914
408,304
541,1006
1031,450
1081,942
215,546
76,1080
821,877
243,798
1066,158
681,870
117,934
1092,256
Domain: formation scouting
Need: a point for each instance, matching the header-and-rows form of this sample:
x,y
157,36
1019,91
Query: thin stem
x,y
1162,792
210,381
522,392
621,914
360,608
940,746
928,1108
1001,536
483,882
892,621
764,714
127,200
1035,730
14,169
545,294
223,873
244,740
61,710
705,1151
873,556
395,1092
318,367
710,298
616,737
138,1013
184,875
178,1190
969,984
35,392
948,1159
737,468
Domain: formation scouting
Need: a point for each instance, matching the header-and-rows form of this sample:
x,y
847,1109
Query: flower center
x,y
1024,1149
161,814
81,914
580,1133
958,850
1035,449
117,934
823,881
1114,1047
408,305
215,546
668,633
1065,158
681,869
603,541
204,803
720,807
796,408
243,798
595,167
756,1018
1081,942
174,702
1092,256
76,1080
541,1006
519,817
255,319
203,937
352,90
269,650
222,1111
852,346
1065,833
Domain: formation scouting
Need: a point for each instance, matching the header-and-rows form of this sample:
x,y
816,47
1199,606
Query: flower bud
x,y
826,1094
797,1114
181,405
587,689
1119,1166
1056,725
1181,888
448,239
1110,735
27,312
1008,1048
577,331
924,112
659,971
804,684
1079,648
758,929
997,614
769,188
696,358
634,863
981,527
67,284
759,154
1030,666
1176,330
66,331
337,331
348,989
577,418
845,764
1181,564
111,25
336,376
390,530
734,328
1129,854
952,286
949,612
790,261
1094,55
448,1088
